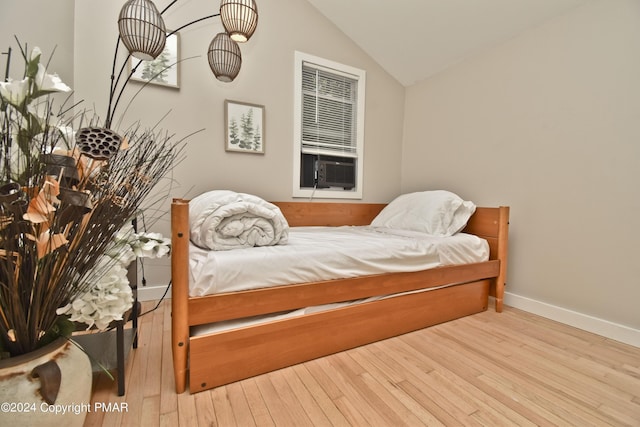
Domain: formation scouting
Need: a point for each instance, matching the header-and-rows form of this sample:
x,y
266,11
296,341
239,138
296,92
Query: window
x,y
328,129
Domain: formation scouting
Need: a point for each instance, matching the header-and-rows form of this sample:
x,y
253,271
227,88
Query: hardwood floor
x,y
492,369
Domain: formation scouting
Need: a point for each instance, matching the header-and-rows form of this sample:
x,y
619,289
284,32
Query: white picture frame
x,y
244,127
162,71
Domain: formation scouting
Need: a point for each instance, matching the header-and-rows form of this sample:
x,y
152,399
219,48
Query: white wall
x,y
266,78
47,25
547,123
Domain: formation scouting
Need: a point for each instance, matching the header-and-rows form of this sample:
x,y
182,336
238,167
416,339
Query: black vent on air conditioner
x,y
336,174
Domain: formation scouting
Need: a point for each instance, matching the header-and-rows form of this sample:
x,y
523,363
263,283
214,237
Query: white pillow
x,y
438,213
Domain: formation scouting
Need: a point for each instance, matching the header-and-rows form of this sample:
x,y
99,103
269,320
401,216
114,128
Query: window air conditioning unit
x,y
336,174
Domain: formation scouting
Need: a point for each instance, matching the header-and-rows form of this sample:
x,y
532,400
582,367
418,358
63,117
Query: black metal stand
x,y
132,274
120,342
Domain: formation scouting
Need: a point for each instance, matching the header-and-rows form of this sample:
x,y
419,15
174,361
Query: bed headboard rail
x,y
487,223
300,214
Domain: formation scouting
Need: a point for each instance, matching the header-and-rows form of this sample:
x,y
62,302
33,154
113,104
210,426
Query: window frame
x,y
360,76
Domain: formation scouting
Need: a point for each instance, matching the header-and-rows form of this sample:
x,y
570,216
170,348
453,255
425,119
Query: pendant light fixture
x,y
225,58
142,29
240,18
143,32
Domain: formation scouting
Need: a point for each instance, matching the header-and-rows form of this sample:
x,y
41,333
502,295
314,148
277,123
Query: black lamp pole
x,y
114,81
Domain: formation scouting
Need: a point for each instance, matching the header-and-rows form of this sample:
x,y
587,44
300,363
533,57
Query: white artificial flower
x,y
49,82
107,300
35,53
120,248
41,113
121,252
111,296
14,91
151,245
125,233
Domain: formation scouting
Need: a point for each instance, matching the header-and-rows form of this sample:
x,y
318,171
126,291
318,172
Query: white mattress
x,y
323,253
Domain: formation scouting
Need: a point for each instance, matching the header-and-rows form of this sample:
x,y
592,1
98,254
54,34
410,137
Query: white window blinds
x,y
329,116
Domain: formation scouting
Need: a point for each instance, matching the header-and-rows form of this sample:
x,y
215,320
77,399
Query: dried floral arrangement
x,y
68,189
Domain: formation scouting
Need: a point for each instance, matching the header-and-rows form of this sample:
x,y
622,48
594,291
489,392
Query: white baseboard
x,y
152,293
582,321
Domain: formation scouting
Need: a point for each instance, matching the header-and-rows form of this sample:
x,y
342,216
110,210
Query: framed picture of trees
x,y
244,127
164,70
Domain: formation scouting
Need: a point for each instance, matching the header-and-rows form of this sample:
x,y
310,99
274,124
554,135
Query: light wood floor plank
x,y
426,400
187,412
153,376
439,394
239,405
398,402
292,401
329,408
572,381
169,419
256,403
356,405
303,395
150,411
511,368
389,379
581,408
579,378
214,408
168,397
487,373
542,389
277,407
350,412
615,366
361,384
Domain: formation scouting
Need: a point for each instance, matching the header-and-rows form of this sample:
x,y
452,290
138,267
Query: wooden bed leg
x,y
503,240
180,291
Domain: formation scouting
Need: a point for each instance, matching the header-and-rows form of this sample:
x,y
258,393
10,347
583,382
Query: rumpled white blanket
x,y
223,220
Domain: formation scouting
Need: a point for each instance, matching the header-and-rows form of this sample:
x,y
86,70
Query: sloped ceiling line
x,y
414,39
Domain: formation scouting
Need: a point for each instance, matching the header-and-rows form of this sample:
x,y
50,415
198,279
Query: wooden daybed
x,y
224,357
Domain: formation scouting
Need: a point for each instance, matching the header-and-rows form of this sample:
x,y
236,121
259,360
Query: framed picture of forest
x,y
164,70
244,127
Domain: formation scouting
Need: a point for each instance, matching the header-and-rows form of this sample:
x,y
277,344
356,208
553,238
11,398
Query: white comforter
x,y
223,220
323,253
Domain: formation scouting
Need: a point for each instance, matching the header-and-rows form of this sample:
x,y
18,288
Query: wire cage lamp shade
x,y
142,29
239,18
225,58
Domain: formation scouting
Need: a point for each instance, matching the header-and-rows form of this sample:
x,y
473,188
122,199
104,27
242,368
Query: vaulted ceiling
x,y
414,39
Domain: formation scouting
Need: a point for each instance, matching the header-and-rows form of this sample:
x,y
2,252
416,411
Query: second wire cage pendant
x,y
225,58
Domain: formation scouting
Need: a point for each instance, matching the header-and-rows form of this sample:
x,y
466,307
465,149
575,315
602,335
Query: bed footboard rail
x,y
503,241
180,290
492,224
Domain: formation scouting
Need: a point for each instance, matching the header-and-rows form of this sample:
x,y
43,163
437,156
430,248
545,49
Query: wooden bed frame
x,y
224,357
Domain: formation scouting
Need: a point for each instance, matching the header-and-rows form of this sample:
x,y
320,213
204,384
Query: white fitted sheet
x,y
323,253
